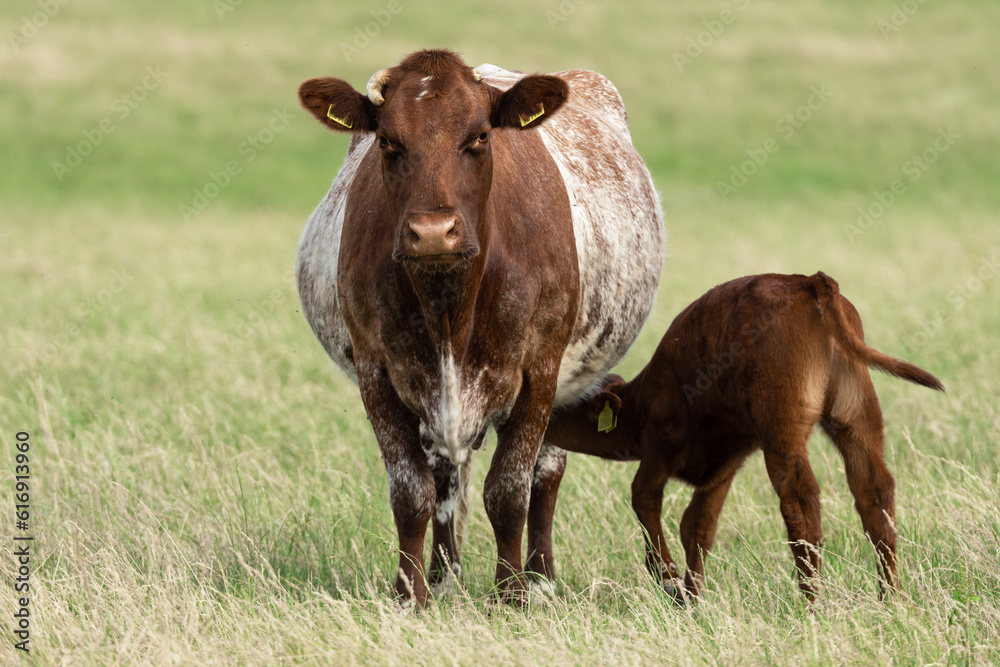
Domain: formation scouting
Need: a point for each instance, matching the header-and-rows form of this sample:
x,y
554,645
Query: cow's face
x,y
434,122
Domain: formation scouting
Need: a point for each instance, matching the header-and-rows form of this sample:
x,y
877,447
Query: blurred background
x,y
158,172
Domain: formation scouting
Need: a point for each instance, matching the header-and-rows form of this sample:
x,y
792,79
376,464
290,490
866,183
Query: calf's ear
x,y
337,105
529,102
604,411
604,406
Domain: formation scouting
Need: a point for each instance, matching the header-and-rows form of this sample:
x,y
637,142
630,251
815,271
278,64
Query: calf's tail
x,y
850,335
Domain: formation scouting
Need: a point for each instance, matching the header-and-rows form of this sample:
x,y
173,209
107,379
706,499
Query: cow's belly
x,y
619,232
316,263
619,275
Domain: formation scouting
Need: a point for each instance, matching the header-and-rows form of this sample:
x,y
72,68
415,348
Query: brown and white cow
x,y
490,248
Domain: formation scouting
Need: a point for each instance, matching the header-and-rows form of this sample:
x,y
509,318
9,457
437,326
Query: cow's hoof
x,y
449,582
676,589
513,591
541,588
406,606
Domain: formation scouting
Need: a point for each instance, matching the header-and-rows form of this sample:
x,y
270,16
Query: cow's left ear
x,y
530,102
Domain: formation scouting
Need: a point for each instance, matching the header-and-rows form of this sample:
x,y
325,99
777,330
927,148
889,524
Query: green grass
x,y
205,486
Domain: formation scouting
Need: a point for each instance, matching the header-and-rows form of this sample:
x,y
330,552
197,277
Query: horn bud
x,y
476,74
375,84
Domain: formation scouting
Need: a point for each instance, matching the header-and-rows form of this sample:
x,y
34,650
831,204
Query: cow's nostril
x,y
440,236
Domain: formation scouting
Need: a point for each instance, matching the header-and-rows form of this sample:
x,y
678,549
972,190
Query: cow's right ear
x,y
337,105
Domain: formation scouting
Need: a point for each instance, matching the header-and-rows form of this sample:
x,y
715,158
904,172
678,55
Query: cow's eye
x,y
484,137
383,142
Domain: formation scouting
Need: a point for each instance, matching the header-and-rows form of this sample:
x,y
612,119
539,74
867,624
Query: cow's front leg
x,y
411,481
508,484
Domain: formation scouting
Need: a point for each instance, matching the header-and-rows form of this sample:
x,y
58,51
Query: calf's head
x,y
585,425
433,120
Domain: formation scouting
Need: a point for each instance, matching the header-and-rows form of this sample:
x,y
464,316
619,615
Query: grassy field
x,y
205,488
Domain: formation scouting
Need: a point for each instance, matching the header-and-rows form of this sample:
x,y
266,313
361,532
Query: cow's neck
x,y
447,301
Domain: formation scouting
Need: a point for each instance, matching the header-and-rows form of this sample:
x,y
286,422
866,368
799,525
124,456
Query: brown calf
x,y
754,363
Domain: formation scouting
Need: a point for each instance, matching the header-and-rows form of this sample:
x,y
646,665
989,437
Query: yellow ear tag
x,y
607,421
531,118
342,121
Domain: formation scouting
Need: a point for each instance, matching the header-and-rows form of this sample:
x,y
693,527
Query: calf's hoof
x,y
676,589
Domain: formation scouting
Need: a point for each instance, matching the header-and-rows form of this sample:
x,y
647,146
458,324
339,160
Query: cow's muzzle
x,y
437,238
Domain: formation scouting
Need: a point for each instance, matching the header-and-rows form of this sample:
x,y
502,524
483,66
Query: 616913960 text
x,y
22,541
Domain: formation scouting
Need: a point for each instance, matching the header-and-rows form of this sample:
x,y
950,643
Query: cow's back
x,y
617,224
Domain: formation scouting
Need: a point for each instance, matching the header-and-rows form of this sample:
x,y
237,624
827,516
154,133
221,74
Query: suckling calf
x,y
753,364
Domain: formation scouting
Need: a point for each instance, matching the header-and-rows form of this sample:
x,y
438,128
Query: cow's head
x,y
433,120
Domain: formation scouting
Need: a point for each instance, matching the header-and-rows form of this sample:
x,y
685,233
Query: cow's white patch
x,y
316,263
452,415
446,507
549,463
454,411
425,90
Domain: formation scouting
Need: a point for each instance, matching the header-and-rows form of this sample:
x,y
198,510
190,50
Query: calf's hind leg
x,y
787,461
872,485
